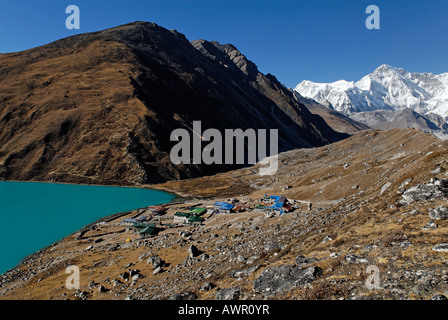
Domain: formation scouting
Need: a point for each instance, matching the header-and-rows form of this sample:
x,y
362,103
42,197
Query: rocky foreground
x,y
377,229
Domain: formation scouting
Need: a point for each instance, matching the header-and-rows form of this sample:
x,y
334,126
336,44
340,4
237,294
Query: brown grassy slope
x,y
368,160
344,183
69,117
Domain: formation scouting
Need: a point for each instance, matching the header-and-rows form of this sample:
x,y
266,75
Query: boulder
x,y
155,261
284,277
434,189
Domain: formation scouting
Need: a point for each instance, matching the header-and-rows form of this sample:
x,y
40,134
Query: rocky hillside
x,y
333,118
379,202
402,119
100,107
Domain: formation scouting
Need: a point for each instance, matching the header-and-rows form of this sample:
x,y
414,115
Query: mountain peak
x,y
388,69
384,67
386,88
227,54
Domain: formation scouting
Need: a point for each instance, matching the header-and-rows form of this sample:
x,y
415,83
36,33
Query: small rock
x,y
355,259
240,258
421,290
243,273
439,297
326,239
145,255
193,251
228,294
155,261
80,294
116,282
136,277
370,246
187,295
272,246
207,287
439,213
442,247
124,276
157,270
335,254
302,261
102,289
385,187
133,272
429,226
411,213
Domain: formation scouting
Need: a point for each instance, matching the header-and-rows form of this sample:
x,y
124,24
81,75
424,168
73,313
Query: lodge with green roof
x,y
198,211
187,217
148,231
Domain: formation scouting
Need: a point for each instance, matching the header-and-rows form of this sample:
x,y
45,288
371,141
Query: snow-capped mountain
x,y
387,88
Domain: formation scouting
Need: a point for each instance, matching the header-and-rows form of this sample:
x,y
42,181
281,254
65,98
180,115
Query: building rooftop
x,y
226,206
198,210
182,214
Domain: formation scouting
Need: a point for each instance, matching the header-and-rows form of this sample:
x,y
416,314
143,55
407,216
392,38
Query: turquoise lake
x,y
35,215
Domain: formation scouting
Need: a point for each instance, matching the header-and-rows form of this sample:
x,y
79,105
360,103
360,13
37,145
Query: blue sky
x,y
318,40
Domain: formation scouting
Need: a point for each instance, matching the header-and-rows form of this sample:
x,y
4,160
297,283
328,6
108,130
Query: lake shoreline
x,y
177,198
85,228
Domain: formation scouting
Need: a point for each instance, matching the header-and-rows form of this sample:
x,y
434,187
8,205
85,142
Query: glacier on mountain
x,y
387,88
